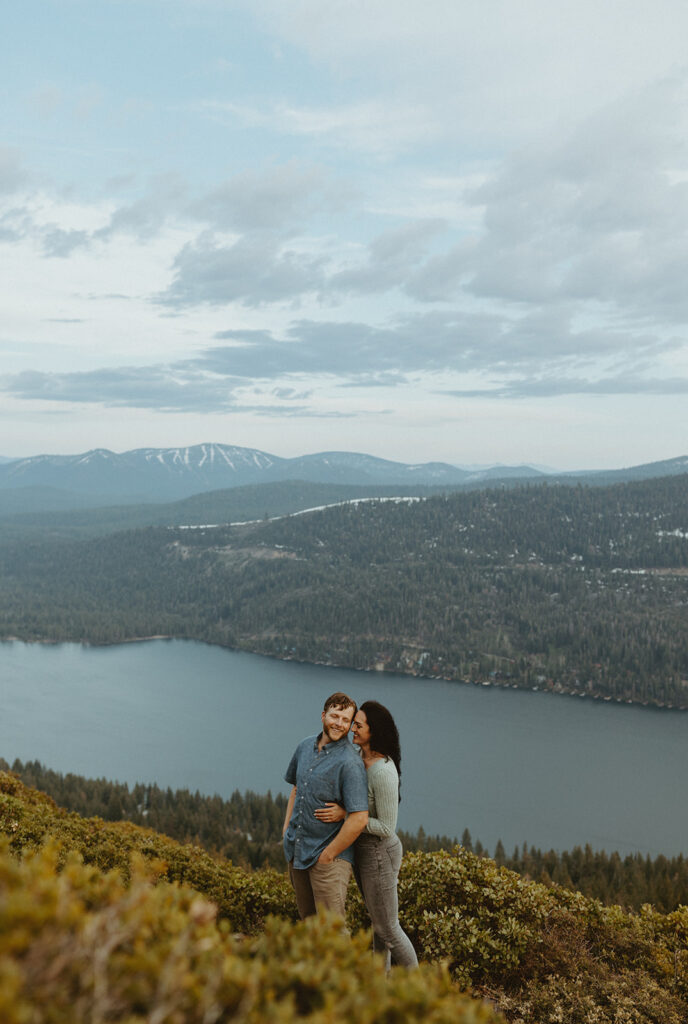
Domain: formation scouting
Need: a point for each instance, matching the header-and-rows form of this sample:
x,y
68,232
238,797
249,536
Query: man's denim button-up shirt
x,y
335,774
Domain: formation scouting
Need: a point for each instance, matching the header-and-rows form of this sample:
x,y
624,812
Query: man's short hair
x,y
340,700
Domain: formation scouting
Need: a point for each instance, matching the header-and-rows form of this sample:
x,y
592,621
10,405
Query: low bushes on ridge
x,y
79,946
542,954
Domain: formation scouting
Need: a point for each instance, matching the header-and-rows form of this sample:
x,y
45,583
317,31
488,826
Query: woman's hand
x,y
330,812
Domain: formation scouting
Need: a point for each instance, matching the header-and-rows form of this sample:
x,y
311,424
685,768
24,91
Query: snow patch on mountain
x,y
168,474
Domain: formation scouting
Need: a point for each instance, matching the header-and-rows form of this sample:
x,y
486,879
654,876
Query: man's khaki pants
x,y
323,885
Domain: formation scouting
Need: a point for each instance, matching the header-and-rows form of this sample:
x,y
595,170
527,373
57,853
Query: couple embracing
x,y
342,811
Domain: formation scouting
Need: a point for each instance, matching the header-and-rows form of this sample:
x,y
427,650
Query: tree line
x,y
247,829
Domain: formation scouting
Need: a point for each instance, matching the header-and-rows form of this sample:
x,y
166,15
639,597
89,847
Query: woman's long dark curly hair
x,y
384,735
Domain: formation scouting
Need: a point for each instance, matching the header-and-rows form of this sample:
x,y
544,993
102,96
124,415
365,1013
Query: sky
x,y
428,230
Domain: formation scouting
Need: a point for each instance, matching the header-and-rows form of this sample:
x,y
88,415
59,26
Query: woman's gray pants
x,y
377,860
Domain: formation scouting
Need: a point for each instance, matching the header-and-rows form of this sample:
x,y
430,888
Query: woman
x,y
377,851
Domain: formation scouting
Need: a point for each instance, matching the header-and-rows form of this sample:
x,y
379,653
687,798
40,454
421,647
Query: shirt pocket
x,y
323,794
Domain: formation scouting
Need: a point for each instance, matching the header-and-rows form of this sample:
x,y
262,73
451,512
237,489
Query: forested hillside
x,y
91,929
25,512
579,590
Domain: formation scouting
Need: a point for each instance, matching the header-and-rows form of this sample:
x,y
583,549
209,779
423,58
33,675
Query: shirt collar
x,y
332,743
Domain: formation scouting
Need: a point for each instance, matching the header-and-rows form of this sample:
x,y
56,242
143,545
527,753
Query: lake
x,y
552,771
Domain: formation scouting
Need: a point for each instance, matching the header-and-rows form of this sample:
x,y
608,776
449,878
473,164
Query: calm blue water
x,y
520,766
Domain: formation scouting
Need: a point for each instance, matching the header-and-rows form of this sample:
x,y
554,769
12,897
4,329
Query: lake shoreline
x,y
553,691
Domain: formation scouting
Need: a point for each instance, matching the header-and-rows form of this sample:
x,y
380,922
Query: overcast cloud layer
x,y
426,230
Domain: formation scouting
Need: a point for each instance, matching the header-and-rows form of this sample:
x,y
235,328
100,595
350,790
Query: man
x,y
324,769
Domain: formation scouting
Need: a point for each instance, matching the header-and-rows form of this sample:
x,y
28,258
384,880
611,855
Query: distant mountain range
x,y
102,477
167,474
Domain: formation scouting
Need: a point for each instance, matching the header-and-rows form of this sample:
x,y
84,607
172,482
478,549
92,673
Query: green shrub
x,y
464,909
79,945
543,953
669,946
245,899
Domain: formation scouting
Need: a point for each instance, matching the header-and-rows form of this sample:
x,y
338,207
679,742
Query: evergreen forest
x,y
573,589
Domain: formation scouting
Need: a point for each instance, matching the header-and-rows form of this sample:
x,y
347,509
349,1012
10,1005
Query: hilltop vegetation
x,y
247,829
581,590
79,943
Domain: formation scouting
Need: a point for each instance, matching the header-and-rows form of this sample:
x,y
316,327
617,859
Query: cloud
x,y
391,259
256,269
154,387
16,223
271,199
594,213
488,70
266,266
22,222
540,355
180,388
263,209
13,176
597,216
379,127
60,243
434,342
144,218
274,199
554,387
346,350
